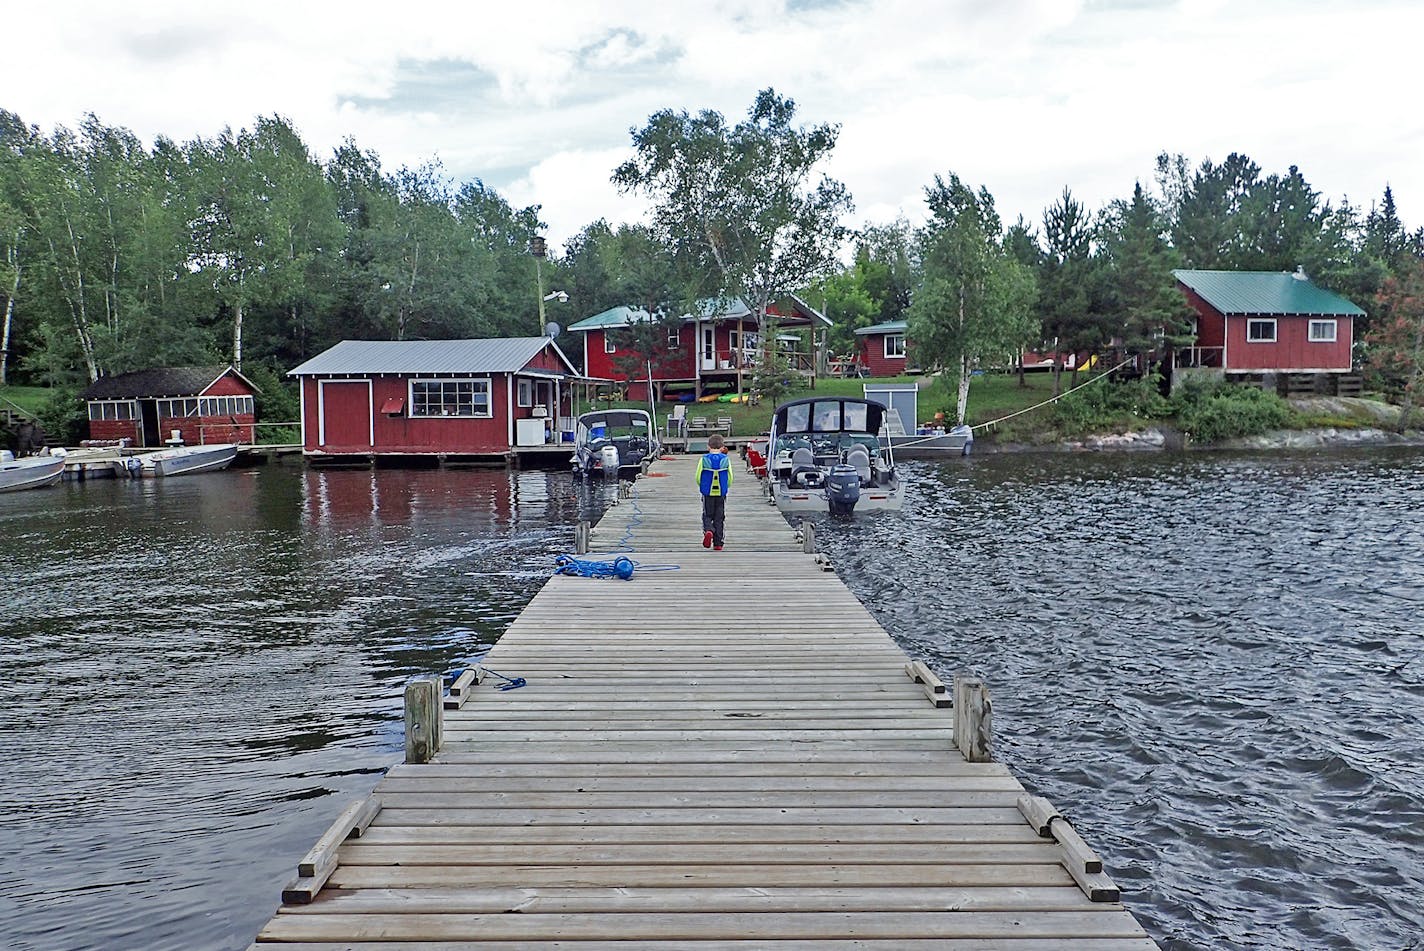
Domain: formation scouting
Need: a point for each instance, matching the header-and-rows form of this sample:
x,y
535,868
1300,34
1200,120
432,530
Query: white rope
x,y
1054,399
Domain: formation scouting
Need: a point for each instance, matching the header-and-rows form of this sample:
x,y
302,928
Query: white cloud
x,y
1023,96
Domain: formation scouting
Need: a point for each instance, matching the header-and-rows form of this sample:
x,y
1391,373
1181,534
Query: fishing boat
x,y
31,472
180,460
825,455
613,442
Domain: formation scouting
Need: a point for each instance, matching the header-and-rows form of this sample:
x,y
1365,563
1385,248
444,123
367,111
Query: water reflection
x,y
198,672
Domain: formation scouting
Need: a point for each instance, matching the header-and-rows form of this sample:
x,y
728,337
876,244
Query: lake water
x,y
1210,663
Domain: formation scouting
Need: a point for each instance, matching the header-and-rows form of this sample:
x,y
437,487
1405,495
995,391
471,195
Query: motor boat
x,y
613,442
825,455
31,472
180,460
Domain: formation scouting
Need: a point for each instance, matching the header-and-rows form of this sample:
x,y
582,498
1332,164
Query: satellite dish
x,y
551,329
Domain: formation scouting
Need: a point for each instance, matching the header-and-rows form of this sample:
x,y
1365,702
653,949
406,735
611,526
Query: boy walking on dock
x,y
714,479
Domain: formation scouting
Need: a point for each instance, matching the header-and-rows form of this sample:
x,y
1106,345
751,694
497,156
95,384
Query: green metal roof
x,y
889,327
619,316
1266,292
709,307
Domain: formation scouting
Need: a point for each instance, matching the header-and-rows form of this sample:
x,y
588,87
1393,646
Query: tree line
x,y
247,247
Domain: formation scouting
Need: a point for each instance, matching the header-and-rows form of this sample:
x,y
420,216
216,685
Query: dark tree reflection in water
x,y
1211,663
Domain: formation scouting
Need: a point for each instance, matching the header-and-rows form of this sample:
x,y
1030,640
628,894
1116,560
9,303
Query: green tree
x,y
1070,305
1396,341
739,202
1151,311
974,301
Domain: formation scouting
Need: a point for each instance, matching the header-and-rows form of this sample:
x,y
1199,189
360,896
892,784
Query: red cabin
x,y
716,346
172,405
437,398
883,351
1253,322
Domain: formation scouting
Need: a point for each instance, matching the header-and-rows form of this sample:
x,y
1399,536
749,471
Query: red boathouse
x,y
476,398
1255,322
164,406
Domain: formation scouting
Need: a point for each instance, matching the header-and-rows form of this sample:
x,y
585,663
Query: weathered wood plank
x,y
800,925
679,774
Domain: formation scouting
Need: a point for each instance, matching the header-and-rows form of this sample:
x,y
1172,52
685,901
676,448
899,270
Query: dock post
x,y
422,719
973,718
808,536
581,531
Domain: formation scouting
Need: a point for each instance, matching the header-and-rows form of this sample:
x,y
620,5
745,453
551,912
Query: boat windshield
x,y
613,427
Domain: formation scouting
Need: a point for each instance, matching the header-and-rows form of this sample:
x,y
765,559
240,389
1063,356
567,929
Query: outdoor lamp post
x,y
536,248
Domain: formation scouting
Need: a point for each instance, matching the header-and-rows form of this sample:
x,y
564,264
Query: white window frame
x,y
674,339
1313,337
412,404
526,392
224,405
608,345
899,351
1250,321
178,408
108,411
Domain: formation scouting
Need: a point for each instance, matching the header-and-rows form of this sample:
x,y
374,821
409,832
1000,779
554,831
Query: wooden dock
x,y
730,755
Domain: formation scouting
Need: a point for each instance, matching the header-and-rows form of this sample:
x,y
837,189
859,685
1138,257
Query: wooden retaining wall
x,y
730,755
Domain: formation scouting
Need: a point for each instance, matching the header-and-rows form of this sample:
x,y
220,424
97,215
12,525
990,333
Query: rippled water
x,y
198,673
1211,663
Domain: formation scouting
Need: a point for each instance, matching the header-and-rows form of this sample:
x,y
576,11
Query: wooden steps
x,y
729,755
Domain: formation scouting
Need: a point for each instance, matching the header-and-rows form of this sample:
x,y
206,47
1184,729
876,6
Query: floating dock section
x,y
729,755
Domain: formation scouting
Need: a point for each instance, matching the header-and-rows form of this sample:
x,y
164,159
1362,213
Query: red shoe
x,y
718,548
706,539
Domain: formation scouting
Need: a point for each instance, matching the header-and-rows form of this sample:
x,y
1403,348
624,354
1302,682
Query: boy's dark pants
x,y
714,512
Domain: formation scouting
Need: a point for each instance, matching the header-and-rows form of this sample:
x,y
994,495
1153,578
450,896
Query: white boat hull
x,y
879,498
187,460
35,472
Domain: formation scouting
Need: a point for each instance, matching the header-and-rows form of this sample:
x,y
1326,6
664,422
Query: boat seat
x,y
804,473
860,459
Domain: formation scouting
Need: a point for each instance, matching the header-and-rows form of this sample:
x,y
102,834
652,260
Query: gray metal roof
x,y
497,355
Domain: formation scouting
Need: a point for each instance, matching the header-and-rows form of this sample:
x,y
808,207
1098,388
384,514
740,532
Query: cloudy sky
x,y
537,99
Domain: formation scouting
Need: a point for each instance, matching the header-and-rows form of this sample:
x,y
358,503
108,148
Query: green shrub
x,y
1107,405
1211,412
64,417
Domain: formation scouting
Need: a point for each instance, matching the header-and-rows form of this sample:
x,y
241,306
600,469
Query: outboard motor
x,y
608,456
842,489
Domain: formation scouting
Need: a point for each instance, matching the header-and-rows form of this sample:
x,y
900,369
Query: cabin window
x,y
224,405
608,345
177,409
111,409
467,398
526,393
1261,331
894,346
1322,331
674,337
857,416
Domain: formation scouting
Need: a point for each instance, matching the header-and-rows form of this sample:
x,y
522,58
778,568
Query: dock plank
x,y
719,756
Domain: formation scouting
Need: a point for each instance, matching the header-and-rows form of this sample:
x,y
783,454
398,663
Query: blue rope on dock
x,y
510,683
620,567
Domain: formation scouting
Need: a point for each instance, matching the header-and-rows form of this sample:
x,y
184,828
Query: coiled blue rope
x,y
620,567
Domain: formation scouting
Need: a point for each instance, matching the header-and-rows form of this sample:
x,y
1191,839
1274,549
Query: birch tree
x,y
973,301
743,202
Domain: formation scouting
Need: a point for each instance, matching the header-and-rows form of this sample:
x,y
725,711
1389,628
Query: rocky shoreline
x,y
1371,414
